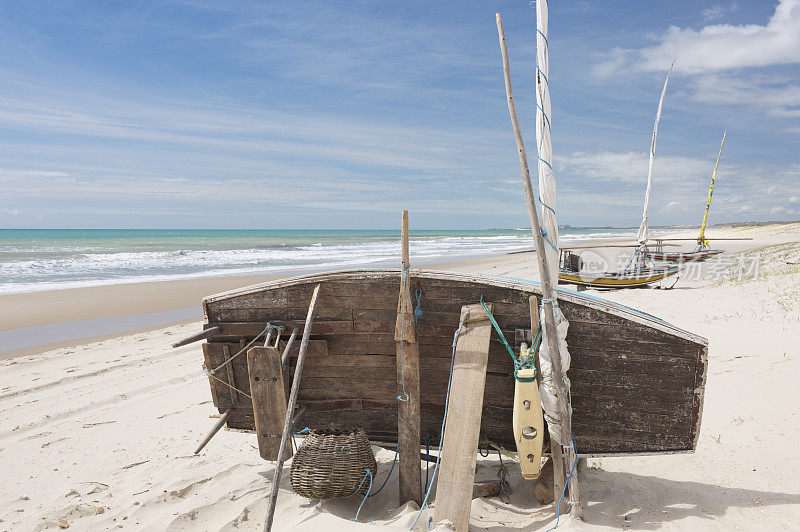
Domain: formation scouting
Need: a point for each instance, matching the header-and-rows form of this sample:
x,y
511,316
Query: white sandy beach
x,y
100,436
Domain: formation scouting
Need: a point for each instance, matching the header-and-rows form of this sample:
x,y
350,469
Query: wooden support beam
x,y
462,426
557,476
287,427
269,399
543,489
218,425
289,343
211,331
407,351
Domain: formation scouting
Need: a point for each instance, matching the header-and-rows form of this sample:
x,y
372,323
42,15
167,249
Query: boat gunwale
x,y
590,301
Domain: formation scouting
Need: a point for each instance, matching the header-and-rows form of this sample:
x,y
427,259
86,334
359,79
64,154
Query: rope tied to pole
x,y
526,359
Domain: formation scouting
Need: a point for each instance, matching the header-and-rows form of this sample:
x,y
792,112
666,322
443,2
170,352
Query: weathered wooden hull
x,y
637,382
632,279
679,256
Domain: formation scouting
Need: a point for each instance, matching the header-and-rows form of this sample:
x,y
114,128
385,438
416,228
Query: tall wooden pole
x,y
287,427
548,292
407,350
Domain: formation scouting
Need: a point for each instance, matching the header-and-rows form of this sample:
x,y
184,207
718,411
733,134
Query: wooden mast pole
x,y
408,415
287,428
548,292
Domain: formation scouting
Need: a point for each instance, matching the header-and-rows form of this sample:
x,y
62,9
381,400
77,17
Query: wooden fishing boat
x,y
637,381
623,279
571,272
683,256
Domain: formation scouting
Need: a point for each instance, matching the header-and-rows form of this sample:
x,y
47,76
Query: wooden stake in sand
x,y
548,293
287,429
407,351
218,425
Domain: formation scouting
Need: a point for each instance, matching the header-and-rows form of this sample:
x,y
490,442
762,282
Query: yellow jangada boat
x,y
703,249
571,272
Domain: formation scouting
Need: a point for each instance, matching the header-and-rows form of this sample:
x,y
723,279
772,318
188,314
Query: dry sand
x,y
100,436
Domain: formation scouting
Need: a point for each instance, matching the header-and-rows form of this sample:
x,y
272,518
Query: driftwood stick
x,y
292,336
548,293
408,410
211,331
287,428
218,425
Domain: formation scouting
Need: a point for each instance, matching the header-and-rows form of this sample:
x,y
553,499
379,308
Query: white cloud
x,y
718,47
770,189
673,207
12,212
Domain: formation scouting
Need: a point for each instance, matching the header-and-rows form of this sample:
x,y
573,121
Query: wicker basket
x,y
328,466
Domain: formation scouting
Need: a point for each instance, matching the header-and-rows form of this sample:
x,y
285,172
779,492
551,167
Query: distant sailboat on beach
x,y
639,271
703,249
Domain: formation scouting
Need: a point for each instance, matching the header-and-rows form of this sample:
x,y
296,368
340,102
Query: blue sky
x,y
207,114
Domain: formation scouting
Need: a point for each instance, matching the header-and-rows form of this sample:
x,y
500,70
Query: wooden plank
x,y
252,329
316,348
269,399
462,429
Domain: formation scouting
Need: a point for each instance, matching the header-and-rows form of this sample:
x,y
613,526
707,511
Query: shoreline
x,y
54,317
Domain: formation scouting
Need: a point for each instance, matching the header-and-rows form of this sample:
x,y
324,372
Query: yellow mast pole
x,y
701,238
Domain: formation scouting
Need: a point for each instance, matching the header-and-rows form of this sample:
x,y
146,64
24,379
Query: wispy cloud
x,y
776,95
718,11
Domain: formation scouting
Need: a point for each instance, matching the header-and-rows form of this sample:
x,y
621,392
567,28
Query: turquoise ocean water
x,y
44,259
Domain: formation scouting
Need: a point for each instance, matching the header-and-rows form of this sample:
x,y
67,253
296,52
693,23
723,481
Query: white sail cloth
x,y
641,236
549,225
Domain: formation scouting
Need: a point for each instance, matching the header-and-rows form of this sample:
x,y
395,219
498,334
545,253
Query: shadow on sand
x,y
648,502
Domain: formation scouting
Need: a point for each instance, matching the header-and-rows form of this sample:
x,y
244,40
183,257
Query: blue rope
x,y
547,44
369,473
418,308
444,421
389,475
566,483
545,205
544,235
